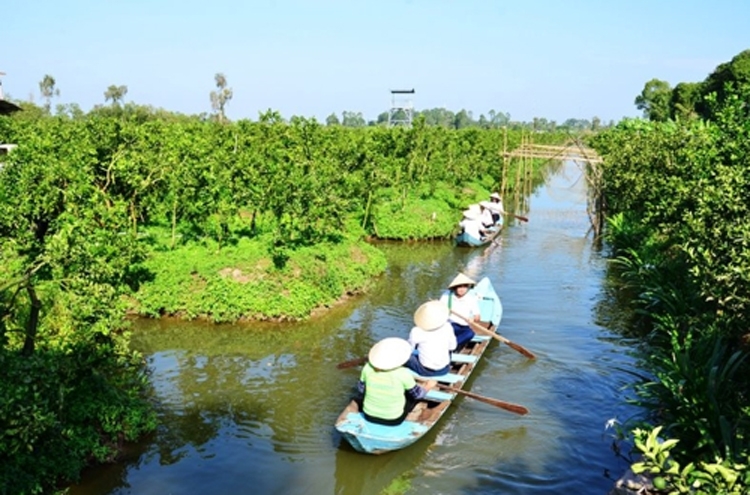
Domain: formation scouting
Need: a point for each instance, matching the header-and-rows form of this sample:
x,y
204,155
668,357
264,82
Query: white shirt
x,y
434,346
497,207
486,217
471,228
467,306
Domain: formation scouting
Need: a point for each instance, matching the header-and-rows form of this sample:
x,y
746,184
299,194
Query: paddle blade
x,y
352,363
514,408
520,349
508,406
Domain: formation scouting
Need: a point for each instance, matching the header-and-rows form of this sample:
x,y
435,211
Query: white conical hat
x,y
471,214
389,353
474,207
431,315
496,196
461,279
485,204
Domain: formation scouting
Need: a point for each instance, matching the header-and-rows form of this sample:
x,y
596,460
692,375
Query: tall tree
x,y
498,119
655,100
220,97
115,93
725,80
332,120
685,98
48,90
462,119
353,119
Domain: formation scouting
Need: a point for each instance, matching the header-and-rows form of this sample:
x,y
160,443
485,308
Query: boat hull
x,y
465,240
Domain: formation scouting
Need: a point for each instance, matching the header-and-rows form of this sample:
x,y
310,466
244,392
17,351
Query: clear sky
x,y
556,59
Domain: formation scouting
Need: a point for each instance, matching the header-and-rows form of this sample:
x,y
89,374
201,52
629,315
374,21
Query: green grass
x,y
240,281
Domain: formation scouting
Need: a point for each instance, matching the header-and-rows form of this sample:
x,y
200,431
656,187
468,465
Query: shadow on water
x,y
250,408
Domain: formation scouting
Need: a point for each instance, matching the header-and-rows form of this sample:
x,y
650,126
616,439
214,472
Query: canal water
x,y
250,408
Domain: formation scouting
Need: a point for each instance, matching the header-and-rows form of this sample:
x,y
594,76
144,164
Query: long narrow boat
x,y
372,438
464,240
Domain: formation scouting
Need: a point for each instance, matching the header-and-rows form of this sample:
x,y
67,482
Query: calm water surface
x,y
250,409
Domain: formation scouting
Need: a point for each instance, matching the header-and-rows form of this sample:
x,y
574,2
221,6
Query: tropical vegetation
x,y
130,209
677,192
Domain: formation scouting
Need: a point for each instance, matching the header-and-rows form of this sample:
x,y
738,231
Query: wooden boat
x,y
464,240
373,438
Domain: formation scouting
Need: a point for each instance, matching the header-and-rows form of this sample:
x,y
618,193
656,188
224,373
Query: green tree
x,y
382,118
498,119
352,119
333,120
48,90
685,98
116,94
463,119
725,81
655,100
596,123
220,97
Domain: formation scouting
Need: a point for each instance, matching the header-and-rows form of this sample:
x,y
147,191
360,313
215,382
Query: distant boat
x,y
371,438
464,240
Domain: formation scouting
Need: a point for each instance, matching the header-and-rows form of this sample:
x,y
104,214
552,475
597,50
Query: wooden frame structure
x,y
574,150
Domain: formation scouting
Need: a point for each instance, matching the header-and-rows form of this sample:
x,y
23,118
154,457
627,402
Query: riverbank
x,y
240,282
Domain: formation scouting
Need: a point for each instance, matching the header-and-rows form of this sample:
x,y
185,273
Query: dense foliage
x,y
131,208
661,102
72,391
678,197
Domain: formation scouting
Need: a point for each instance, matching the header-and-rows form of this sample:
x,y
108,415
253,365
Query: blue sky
x,y
544,58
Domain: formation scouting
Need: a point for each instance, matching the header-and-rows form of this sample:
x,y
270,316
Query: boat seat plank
x,y
480,338
464,358
438,396
446,378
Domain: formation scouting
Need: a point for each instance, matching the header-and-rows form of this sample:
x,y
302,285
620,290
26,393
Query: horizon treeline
x,y
221,97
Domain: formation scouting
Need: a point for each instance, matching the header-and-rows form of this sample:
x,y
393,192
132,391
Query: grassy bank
x,y
240,281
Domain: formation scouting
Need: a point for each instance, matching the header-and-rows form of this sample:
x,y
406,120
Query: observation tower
x,y
402,108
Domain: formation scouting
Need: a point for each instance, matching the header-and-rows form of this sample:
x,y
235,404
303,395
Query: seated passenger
x,y
471,225
496,205
487,216
465,303
388,388
433,340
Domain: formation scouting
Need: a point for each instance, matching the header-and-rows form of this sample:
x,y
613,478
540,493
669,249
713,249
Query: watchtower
x,y
402,107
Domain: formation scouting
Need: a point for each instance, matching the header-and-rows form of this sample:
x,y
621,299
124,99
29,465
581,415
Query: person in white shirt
x,y
465,303
472,225
433,340
487,215
496,205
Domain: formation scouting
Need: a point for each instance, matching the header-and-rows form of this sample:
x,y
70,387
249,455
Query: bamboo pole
x,y
503,182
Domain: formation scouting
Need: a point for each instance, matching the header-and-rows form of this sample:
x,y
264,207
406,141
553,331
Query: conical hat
x,y
485,204
431,315
496,196
474,207
471,214
461,279
389,353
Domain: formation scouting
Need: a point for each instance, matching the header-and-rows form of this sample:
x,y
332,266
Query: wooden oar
x,y
522,218
508,406
352,363
480,329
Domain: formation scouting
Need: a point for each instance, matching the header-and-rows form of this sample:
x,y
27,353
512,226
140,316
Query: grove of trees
x,y
115,209
660,102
